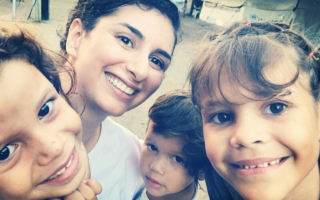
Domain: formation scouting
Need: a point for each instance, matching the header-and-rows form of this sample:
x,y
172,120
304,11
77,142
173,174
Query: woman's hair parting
x,y
19,43
90,11
174,115
243,50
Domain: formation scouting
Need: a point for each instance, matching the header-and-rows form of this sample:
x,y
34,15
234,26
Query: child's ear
x,y
201,175
74,38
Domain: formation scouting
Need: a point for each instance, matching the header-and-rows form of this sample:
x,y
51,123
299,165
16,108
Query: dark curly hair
x,y
174,115
90,11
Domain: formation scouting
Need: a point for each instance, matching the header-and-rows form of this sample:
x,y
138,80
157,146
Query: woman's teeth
x,y
62,170
118,84
260,165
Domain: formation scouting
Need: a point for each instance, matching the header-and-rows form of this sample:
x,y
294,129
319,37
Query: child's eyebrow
x,y
212,104
284,94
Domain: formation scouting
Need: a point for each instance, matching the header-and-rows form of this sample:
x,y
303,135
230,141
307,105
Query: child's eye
x,y
7,151
126,40
221,118
156,63
45,109
151,147
177,159
275,108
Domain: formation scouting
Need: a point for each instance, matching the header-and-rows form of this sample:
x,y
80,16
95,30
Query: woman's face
x,y
41,155
122,61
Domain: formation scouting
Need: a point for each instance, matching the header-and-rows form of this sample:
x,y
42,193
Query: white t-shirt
x,y
114,162
143,195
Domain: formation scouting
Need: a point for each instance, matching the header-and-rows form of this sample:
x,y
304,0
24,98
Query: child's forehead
x,y
223,84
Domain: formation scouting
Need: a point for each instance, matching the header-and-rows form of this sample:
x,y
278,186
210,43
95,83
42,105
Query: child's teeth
x,y
260,165
70,161
61,171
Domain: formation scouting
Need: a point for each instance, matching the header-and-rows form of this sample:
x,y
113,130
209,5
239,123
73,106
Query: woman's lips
x,y
120,84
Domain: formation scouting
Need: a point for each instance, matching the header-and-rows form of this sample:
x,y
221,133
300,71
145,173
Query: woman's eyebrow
x,y
133,30
163,53
140,35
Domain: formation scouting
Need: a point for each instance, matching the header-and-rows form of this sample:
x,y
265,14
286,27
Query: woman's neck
x,y
187,194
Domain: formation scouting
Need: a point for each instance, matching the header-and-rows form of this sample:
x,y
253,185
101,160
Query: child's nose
x,y
249,131
157,165
50,146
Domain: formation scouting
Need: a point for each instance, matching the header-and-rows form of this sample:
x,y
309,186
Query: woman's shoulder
x,y
110,127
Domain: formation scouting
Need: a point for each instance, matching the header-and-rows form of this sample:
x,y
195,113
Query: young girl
x,y
173,157
257,87
41,154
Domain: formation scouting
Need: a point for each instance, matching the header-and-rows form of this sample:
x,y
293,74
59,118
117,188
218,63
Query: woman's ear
x,y
201,175
74,38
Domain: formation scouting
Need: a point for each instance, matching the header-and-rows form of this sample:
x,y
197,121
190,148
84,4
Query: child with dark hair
x,y
41,153
173,157
257,87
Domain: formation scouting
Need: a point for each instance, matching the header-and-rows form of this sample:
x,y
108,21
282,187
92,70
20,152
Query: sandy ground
x,y
136,120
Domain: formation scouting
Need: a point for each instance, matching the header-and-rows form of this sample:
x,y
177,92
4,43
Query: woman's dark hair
x,y
174,115
243,50
90,11
18,43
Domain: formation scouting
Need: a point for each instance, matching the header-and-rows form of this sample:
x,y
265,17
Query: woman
x,y
120,51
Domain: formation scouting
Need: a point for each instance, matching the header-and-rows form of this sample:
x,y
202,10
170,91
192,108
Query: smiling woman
x,y
41,154
120,51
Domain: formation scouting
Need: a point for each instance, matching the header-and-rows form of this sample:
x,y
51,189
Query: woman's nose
x,y
139,67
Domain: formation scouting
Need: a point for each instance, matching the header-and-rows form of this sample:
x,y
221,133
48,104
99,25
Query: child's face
x,y
265,149
40,137
161,165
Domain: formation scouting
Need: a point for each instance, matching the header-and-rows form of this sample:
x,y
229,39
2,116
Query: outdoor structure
x,y
304,15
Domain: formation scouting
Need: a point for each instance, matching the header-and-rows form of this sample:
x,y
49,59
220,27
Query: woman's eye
x,y
275,108
177,159
151,147
45,109
221,118
126,41
156,63
7,151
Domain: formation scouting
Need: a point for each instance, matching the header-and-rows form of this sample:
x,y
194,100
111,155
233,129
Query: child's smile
x,y
257,166
42,155
269,145
66,171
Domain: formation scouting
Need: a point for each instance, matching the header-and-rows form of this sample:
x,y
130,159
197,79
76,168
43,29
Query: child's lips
x,y
66,171
258,166
153,183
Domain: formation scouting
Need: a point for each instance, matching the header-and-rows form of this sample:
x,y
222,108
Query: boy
x,y
173,155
